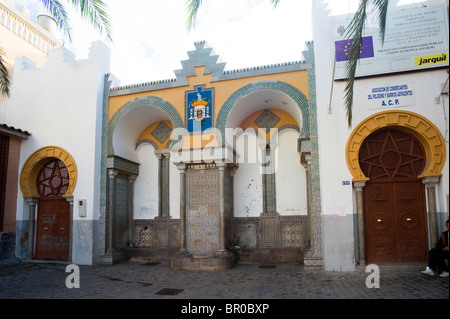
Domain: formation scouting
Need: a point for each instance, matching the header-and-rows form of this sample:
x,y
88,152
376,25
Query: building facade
x,y
218,166
19,36
214,159
385,196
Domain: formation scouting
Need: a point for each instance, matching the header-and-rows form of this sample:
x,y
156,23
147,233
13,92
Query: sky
x,y
150,37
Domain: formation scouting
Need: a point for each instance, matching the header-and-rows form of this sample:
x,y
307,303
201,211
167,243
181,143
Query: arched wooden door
x,y
394,197
53,214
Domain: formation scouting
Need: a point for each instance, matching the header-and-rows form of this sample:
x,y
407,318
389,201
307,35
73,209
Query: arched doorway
x,y
395,219
53,213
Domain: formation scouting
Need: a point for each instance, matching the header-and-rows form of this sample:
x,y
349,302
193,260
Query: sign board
x,y
415,38
385,96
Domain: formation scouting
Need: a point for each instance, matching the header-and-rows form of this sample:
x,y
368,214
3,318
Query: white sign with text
x,y
390,95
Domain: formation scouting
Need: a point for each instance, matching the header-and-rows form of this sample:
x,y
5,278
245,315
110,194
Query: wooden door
x,y
394,198
53,229
53,214
395,222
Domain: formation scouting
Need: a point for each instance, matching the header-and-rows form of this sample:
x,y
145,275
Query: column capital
x,y
70,200
305,158
31,201
112,173
430,181
358,185
221,165
181,167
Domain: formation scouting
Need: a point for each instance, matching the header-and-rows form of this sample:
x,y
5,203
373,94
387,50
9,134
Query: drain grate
x,y
169,291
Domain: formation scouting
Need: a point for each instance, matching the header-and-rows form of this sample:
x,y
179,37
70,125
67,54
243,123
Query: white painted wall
x,y
247,179
174,191
146,193
338,206
290,176
64,111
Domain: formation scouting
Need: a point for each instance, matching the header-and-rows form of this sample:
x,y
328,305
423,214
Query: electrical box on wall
x,y
82,207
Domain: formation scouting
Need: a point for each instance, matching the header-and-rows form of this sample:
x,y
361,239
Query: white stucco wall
x,y
338,205
61,105
146,192
247,179
290,176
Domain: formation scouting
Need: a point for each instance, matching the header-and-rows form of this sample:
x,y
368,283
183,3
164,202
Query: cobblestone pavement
x,y
134,280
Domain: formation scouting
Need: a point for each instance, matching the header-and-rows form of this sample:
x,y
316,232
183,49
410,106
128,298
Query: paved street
x,y
132,280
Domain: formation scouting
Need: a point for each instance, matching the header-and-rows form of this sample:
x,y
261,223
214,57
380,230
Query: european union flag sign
x,y
199,109
343,49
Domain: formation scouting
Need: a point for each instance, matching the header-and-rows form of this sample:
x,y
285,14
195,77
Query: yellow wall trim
x,y
424,130
38,159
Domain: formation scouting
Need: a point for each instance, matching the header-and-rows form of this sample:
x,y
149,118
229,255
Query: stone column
x,y
306,162
163,182
111,209
430,186
268,178
360,212
182,169
131,180
31,225
221,166
70,200
159,156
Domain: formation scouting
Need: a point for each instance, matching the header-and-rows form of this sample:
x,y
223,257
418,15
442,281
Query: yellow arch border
x,y
419,126
34,164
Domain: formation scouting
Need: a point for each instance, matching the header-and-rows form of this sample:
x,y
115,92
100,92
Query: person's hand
x,y
446,248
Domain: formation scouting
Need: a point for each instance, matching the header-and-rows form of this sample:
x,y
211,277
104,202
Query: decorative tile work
x,y
121,212
123,165
314,256
202,220
269,232
161,132
143,236
267,119
293,231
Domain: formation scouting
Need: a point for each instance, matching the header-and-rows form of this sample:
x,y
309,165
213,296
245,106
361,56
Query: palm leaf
x,y
275,3
192,9
95,11
4,76
355,32
59,13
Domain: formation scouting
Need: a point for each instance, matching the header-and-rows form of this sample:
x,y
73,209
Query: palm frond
x,y
354,33
4,76
59,13
95,11
381,6
192,7
275,3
